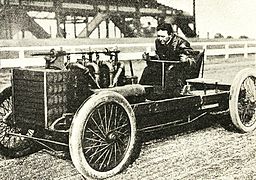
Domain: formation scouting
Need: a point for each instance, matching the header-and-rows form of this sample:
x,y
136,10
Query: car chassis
x,y
93,108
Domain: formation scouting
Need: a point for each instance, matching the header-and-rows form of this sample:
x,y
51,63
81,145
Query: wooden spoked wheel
x,y
11,145
103,135
242,101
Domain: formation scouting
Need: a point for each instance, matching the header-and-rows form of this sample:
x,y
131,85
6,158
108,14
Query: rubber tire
x,y
22,147
233,100
76,133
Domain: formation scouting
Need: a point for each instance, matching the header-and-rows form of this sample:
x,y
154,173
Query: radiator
x,y
39,96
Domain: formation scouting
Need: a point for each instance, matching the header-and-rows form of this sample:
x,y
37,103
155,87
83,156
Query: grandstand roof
x,y
126,2
110,2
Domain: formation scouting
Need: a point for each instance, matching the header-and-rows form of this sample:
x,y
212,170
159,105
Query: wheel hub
x,y
111,137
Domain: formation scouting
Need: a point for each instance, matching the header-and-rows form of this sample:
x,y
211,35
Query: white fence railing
x,y
228,48
21,56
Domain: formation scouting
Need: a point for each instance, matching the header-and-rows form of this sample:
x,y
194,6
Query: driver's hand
x,y
184,58
145,56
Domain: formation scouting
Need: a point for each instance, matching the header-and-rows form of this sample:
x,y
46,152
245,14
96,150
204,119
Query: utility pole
x,y
194,15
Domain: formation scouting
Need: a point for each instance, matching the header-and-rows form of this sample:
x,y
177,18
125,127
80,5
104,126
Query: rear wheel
x,y
103,136
10,145
242,101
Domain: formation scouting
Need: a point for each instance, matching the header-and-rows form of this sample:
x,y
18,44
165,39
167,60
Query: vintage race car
x,y
93,108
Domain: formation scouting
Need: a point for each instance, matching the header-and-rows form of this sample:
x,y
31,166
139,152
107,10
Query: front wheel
x,y
242,101
103,135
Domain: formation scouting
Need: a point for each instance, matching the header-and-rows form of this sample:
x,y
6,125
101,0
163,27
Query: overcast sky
x,y
228,17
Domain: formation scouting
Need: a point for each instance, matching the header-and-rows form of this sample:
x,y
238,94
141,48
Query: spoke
x,y
105,151
243,115
96,152
120,118
246,114
125,130
105,111
115,116
120,127
115,151
109,121
101,120
93,154
119,148
7,103
2,126
249,86
122,122
5,108
95,146
105,117
30,132
96,134
5,141
2,136
2,131
98,126
111,152
123,133
2,114
121,141
94,140
10,103
105,158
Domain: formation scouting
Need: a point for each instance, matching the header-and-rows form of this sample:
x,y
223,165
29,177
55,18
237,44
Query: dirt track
x,y
208,153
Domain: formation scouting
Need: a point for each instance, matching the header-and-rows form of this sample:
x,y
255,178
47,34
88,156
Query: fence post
x,y
21,54
205,55
226,51
245,50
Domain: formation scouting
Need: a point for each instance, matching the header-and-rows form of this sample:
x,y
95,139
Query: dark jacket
x,y
173,49
175,75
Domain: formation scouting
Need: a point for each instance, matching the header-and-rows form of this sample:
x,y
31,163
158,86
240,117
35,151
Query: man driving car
x,y
169,47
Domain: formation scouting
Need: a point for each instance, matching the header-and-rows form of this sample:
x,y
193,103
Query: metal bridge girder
x,y
15,20
93,24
